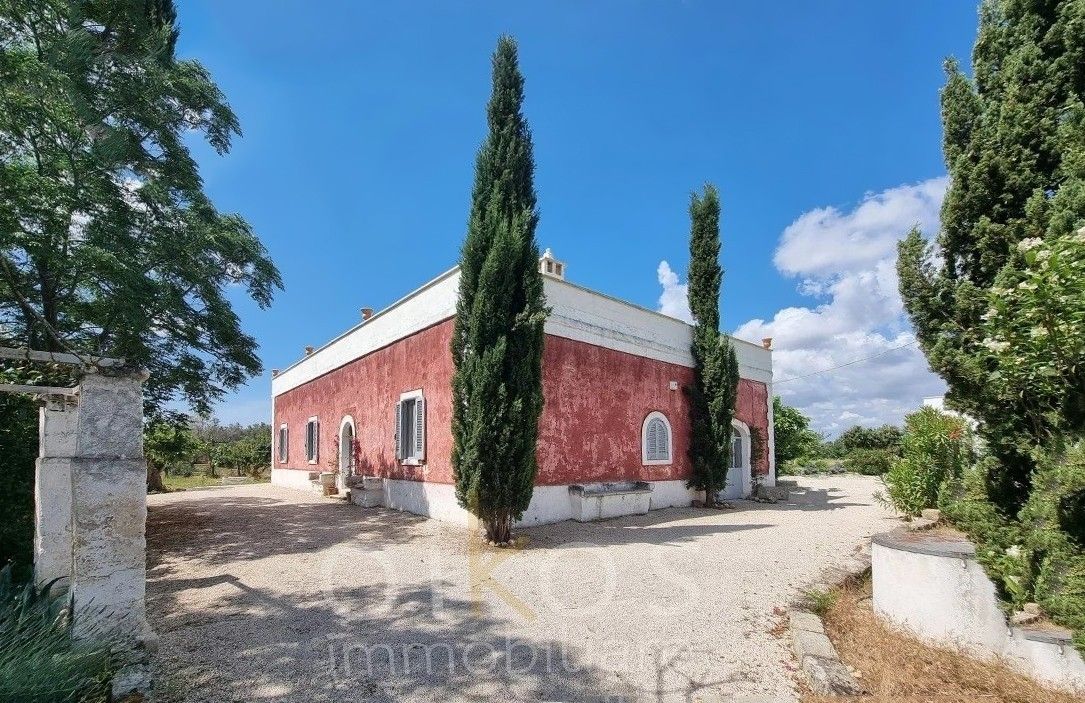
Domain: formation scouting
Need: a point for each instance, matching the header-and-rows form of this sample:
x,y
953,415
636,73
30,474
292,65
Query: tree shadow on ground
x,y
222,528
416,645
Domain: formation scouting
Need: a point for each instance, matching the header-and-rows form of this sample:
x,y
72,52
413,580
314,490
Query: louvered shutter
x,y
663,441
420,428
651,441
399,433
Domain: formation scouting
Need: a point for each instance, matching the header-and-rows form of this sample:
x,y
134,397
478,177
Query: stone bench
x,y
599,501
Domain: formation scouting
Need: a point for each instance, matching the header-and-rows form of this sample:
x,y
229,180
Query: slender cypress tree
x,y
715,385
1010,139
497,340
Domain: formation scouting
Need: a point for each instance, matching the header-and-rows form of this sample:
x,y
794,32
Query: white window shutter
x,y
664,442
420,428
652,441
399,433
316,440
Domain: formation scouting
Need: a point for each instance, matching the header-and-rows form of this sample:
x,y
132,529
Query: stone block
x,y
828,677
812,644
802,620
111,416
773,494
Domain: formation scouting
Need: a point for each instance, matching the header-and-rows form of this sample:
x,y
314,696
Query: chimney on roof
x,y
549,266
275,372
767,342
366,313
308,351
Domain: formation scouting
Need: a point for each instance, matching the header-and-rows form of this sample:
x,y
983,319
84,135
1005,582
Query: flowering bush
x,y
1035,331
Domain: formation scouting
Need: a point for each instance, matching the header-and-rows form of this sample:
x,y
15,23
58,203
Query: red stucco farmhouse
x,y
613,438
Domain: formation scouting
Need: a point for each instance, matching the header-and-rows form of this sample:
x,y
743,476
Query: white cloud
x,y
846,262
674,300
826,242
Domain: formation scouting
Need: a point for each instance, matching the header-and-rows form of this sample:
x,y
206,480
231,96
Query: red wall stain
x,y
590,429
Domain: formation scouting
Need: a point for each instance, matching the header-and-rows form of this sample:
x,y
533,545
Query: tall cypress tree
x,y
1010,135
497,340
715,385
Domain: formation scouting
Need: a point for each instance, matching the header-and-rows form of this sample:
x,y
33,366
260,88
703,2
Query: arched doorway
x,y
346,452
739,474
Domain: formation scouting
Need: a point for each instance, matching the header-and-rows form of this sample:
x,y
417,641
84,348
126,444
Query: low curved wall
x,y
935,588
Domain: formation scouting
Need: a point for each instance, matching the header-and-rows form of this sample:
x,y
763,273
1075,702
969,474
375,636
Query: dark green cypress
x,y
1010,135
497,340
715,386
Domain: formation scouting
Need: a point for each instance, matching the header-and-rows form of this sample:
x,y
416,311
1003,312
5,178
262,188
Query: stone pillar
x,y
58,424
91,514
109,516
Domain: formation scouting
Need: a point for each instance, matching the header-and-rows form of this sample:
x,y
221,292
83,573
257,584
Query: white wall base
x,y
947,598
549,504
292,478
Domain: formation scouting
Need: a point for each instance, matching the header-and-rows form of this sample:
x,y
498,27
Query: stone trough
x,y
599,501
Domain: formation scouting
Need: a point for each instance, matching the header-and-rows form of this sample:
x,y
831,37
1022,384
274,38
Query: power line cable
x,y
849,363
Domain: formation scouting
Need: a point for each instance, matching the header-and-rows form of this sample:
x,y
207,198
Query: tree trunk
x,y
154,478
499,528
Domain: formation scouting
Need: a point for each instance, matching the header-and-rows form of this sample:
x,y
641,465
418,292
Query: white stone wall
x,y
950,600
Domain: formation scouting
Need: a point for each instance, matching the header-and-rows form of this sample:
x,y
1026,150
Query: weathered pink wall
x,y
596,401
368,389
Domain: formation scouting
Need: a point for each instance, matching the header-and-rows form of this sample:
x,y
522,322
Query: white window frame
x,y
414,455
283,440
312,452
656,415
743,431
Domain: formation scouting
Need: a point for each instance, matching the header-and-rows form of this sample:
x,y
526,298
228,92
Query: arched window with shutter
x,y
655,435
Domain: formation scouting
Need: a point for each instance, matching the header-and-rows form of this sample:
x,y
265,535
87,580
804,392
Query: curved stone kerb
x,y
919,543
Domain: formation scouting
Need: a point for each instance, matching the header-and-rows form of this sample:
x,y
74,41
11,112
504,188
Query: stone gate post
x,y
91,514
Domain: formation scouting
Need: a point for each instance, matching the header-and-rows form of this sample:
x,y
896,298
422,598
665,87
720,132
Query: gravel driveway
x,y
261,593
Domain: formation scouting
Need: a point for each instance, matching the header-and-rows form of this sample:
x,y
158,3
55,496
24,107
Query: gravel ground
x,y
260,593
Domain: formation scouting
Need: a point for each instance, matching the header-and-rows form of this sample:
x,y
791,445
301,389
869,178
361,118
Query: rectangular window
x,y
411,428
283,446
312,439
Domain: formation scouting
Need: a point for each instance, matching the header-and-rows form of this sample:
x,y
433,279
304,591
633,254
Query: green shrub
x,y
935,449
869,462
39,660
1052,526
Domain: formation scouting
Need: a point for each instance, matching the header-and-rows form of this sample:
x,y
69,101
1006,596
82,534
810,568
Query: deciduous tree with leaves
x,y
108,243
497,339
715,385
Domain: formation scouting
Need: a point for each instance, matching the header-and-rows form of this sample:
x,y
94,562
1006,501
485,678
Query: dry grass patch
x,y
899,668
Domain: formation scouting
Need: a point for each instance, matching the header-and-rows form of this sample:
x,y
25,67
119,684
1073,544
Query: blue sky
x,y
817,121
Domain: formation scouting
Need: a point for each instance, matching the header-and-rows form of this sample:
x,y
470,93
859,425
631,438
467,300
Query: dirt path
x,y
265,594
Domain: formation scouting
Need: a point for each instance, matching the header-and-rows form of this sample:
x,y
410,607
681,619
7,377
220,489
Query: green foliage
x,y
172,448
869,462
792,432
498,335
108,243
715,366
811,466
887,437
1035,332
39,661
819,601
1054,528
935,450
1013,145
18,449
